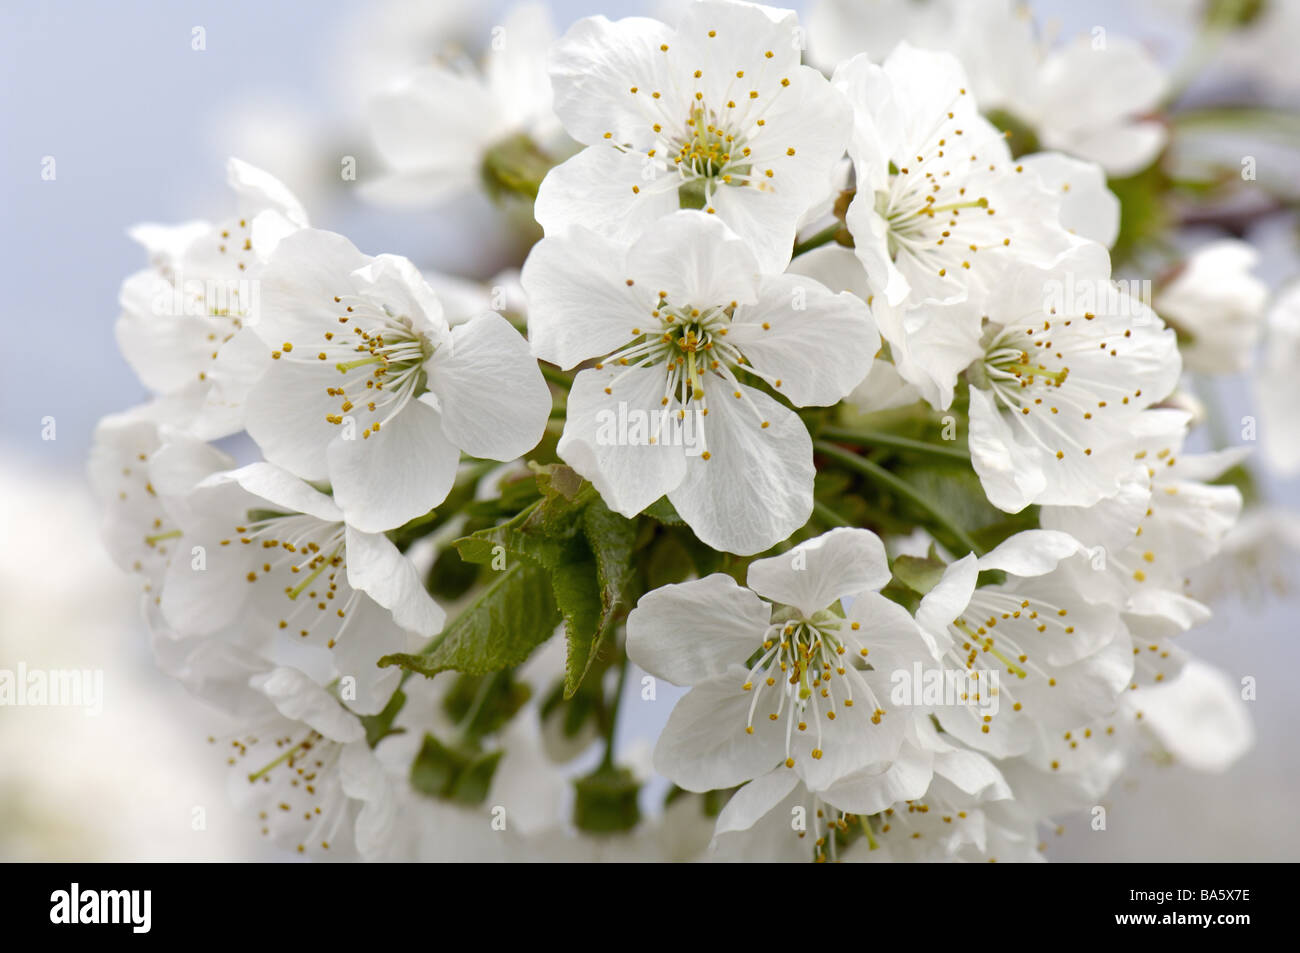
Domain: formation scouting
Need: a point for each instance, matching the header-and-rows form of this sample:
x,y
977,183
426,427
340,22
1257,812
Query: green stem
x,y
873,438
485,689
824,237
828,516
879,474
1263,120
611,718
556,376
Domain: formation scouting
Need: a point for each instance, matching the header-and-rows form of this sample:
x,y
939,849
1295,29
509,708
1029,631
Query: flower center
x,y
381,357
306,559
713,145
929,191
1028,375
690,344
1005,625
802,662
299,772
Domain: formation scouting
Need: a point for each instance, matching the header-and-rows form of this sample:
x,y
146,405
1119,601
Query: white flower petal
x,y
697,260
493,398
298,698
816,574
1088,208
950,595
377,568
819,345
755,487
578,305
602,440
619,194
1032,552
401,472
704,746
753,801
594,66
692,631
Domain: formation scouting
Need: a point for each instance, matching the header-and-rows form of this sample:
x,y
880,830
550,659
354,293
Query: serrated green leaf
x,y
664,512
514,615
611,540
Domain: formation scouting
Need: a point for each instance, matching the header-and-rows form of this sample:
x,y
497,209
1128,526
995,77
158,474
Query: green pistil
x,y
868,833
295,593
361,362
932,210
280,760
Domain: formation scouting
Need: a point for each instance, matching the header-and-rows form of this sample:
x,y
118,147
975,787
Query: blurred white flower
x,y
1277,385
436,127
1071,361
184,326
273,559
1218,305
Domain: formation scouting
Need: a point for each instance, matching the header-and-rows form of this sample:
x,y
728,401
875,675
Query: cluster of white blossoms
x,y
816,398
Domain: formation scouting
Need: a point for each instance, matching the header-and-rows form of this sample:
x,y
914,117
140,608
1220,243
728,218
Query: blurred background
x,y
139,124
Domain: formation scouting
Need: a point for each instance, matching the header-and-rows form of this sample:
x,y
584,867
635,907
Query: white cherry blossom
x,y
1091,97
716,114
141,470
1062,655
785,681
684,327
940,202
1218,305
184,321
436,126
370,390
299,760
273,558
1165,520
1070,360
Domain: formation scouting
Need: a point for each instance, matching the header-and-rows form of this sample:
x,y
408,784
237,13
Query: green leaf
x,y
380,726
611,539
540,532
918,573
664,512
577,593
668,561
514,615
